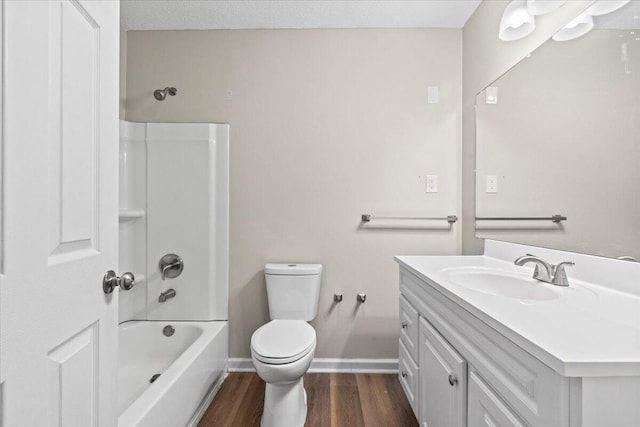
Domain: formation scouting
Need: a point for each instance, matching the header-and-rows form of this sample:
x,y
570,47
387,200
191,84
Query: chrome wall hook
x,y
161,94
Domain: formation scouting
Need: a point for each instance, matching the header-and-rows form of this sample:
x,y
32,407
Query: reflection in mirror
x,y
559,134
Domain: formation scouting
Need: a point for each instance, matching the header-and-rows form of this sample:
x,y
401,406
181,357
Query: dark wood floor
x,y
334,400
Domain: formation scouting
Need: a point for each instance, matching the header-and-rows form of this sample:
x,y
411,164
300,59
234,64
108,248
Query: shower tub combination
x,y
173,352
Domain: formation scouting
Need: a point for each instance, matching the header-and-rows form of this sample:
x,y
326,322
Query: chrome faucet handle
x,y
542,274
560,275
171,266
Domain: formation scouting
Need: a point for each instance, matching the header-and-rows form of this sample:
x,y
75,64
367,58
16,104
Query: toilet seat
x,y
282,341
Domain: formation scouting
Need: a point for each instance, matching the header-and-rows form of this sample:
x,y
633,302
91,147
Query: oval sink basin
x,y
503,284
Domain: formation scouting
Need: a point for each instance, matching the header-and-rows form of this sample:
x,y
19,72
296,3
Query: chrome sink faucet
x,y
545,272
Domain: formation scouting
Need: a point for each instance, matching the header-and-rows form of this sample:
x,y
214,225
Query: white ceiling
x,y
240,14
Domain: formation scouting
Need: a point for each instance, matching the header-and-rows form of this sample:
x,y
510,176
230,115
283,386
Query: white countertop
x,y
585,330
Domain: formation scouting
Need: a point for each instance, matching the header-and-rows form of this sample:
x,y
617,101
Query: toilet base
x,y
285,405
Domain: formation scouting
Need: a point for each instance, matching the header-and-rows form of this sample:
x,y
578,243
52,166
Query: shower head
x,y
161,94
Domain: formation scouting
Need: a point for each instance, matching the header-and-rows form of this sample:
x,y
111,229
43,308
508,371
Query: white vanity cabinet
x,y
467,374
520,352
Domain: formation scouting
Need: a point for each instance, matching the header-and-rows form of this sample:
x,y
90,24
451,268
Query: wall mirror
x,y
559,135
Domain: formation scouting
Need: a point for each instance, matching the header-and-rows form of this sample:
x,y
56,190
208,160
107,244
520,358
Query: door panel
x,y
443,381
58,330
486,409
73,382
74,99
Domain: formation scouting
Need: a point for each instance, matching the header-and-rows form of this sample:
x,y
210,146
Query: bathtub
x,y
192,363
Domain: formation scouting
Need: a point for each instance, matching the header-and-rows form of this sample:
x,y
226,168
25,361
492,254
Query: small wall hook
x,y
337,297
361,298
161,94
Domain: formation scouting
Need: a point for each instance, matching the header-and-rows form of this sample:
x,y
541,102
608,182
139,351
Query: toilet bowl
x,y
282,349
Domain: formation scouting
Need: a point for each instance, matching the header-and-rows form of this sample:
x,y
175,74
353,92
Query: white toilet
x,y
282,350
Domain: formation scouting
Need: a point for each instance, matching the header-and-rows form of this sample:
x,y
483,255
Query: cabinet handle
x,y
404,325
452,379
404,374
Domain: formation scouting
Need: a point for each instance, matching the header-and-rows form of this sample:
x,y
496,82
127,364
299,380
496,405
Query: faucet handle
x,y
560,275
171,266
541,274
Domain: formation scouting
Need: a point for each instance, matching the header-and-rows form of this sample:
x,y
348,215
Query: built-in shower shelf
x,y
131,214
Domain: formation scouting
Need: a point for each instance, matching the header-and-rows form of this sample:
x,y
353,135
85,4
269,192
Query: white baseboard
x,y
350,366
240,364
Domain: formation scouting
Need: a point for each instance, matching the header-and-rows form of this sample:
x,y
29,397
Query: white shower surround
x,y
174,198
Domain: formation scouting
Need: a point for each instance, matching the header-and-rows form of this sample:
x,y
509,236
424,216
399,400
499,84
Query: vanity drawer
x,y
409,326
408,376
486,409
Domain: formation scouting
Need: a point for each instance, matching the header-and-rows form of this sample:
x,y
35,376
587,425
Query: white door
x,y
59,227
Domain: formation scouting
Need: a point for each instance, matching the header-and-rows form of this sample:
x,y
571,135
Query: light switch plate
x,y
492,184
432,183
433,96
491,94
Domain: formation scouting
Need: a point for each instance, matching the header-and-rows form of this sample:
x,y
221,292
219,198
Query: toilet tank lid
x,y
293,269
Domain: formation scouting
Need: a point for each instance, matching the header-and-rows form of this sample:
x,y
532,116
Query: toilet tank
x,y
293,290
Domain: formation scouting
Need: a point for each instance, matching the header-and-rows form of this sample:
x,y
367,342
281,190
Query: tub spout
x,y
168,294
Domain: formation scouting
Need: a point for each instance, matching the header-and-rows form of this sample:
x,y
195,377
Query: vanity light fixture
x,y
602,7
516,22
542,7
580,26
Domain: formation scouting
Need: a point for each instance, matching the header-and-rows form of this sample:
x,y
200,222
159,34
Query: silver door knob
x,y
404,325
111,280
404,374
361,298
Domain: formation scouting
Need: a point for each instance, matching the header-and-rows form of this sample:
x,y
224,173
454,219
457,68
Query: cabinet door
x,y
486,409
443,381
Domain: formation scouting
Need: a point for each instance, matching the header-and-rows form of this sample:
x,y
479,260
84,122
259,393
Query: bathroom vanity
x,y
484,344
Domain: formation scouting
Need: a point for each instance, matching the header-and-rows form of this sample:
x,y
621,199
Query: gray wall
x,y
325,125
